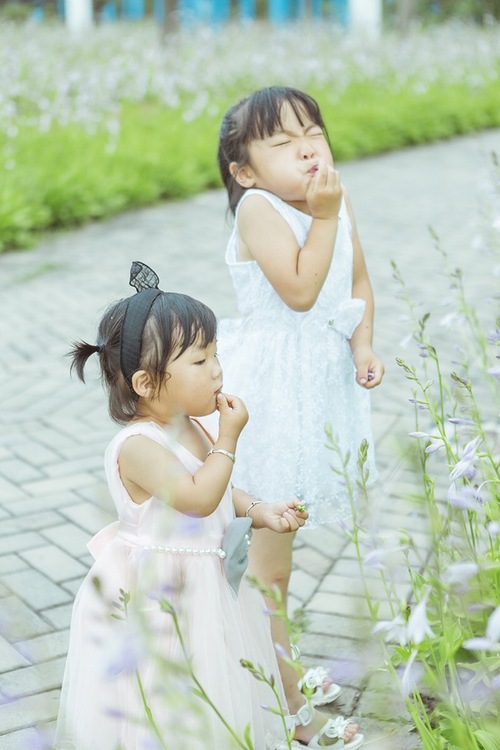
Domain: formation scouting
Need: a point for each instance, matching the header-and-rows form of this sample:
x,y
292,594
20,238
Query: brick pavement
x,y
54,430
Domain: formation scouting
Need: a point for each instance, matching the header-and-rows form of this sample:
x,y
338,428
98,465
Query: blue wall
x,y
218,11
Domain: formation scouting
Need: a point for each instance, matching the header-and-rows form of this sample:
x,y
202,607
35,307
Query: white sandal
x,y
312,685
330,735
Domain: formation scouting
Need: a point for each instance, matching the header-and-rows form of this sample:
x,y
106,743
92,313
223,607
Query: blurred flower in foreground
x,y
465,498
458,574
418,624
412,674
124,653
42,740
495,371
435,445
465,467
395,630
493,528
381,558
491,641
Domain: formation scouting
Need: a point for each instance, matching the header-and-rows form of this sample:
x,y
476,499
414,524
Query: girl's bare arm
x,y
297,274
369,367
281,516
149,469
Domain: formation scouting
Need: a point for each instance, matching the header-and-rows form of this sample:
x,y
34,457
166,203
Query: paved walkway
x,y
53,430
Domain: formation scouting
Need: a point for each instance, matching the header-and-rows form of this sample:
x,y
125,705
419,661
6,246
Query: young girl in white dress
x,y
301,353
126,683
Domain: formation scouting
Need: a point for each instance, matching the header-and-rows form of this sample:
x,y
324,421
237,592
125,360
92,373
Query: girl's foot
x,y
318,687
315,730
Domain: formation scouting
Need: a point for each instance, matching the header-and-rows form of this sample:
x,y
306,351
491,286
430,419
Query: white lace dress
x,y
295,372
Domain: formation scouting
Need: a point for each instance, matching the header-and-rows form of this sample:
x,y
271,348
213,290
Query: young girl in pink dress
x,y
126,684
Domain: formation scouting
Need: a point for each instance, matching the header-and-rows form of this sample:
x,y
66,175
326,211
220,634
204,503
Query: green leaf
x,y
247,736
487,740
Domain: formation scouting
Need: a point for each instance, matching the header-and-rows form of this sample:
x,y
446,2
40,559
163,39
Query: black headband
x,y
137,312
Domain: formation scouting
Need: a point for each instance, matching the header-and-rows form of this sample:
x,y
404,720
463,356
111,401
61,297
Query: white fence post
x,y
365,16
78,14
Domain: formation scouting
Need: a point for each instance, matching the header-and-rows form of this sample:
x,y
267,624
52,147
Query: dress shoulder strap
x,y
298,223
276,202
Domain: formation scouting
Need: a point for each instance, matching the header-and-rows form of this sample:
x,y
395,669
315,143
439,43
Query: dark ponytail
x,y
175,322
79,354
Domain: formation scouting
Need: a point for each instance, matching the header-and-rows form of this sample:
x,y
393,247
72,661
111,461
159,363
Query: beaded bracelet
x,y
231,456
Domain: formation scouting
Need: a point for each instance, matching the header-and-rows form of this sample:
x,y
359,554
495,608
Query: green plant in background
x,y
442,644
92,126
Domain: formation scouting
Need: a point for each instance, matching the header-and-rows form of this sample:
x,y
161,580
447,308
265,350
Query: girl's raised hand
x,y
324,192
233,415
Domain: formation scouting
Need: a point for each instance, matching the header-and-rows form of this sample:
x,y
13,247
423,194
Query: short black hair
x,y
175,323
256,117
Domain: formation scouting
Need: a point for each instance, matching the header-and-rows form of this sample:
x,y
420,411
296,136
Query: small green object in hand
x,y
301,508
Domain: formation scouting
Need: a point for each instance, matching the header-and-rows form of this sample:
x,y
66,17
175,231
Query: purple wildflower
x,y
412,674
281,651
404,343
434,445
451,320
189,525
493,529
463,499
163,591
116,713
395,630
465,467
418,625
478,607
150,743
124,654
491,641
457,575
494,336
42,740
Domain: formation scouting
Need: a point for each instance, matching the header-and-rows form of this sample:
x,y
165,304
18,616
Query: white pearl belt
x,y
186,550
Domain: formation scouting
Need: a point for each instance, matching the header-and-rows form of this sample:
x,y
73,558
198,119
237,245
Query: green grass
x,y
67,176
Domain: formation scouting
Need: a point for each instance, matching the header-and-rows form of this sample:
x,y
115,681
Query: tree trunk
x,y
170,19
406,12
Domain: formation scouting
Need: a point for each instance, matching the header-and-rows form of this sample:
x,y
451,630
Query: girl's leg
x,y
270,561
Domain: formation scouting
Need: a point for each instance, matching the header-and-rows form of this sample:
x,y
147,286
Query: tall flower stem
x,y
200,691
149,714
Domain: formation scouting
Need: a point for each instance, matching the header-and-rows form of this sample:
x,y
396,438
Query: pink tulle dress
x,y
121,646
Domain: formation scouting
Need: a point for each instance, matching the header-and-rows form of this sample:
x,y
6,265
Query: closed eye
x,y
281,143
200,362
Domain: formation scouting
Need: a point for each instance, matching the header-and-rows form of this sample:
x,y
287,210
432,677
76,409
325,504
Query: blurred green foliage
x,y
66,176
